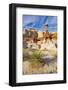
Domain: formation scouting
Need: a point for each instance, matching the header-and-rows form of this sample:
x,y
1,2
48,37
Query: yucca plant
x,y
36,58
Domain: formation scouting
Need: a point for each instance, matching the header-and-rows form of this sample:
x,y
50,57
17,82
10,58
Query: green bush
x,y
36,57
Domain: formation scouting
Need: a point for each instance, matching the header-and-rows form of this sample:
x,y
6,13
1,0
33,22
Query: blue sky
x,y
38,22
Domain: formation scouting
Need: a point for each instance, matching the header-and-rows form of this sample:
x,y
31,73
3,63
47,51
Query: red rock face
x,y
39,36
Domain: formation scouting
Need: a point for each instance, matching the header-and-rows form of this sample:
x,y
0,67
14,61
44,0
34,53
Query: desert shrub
x,y
36,57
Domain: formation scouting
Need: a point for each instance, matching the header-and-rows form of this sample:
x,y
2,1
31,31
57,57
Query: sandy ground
x,y
48,67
